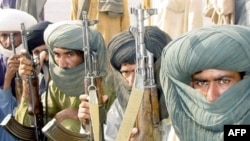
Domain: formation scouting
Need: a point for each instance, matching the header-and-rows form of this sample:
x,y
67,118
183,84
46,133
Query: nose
x,y
130,79
7,42
213,92
61,62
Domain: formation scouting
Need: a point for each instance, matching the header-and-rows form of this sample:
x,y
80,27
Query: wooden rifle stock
x,y
18,88
148,116
35,108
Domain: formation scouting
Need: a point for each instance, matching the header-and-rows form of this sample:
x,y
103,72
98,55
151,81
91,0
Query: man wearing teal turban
x,y
67,68
201,76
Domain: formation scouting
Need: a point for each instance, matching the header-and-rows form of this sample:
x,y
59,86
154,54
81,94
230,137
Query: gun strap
x,y
94,113
46,73
132,109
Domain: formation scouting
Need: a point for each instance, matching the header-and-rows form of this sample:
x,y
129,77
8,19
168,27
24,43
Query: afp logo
x,y
237,132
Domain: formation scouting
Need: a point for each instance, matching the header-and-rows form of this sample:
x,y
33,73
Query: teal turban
x,y
224,47
68,34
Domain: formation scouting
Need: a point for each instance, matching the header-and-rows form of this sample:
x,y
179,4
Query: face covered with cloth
x,y
219,47
69,35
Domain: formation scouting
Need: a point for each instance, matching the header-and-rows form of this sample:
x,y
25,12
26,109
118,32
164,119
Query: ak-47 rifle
x,y
93,87
148,115
142,109
18,80
35,109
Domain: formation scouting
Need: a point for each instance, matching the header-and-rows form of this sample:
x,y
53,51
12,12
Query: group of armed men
x,y
201,80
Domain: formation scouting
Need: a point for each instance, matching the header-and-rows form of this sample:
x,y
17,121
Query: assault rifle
x,y
93,87
148,115
35,109
142,109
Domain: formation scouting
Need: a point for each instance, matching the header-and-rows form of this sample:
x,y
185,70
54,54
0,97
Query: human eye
x,y
70,54
200,83
4,35
36,52
223,81
56,55
16,34
125,73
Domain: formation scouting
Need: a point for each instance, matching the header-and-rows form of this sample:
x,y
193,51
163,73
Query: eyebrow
x,y
64,52
215,79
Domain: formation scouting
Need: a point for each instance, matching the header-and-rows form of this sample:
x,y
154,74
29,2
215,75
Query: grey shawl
x,y
113,8
219,47
68,34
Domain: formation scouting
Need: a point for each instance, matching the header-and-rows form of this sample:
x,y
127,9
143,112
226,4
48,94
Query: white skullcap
x,y
11,20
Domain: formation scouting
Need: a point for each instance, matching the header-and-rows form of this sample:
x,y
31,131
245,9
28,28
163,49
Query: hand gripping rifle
x,y
35,109
18,80
93,87
148,115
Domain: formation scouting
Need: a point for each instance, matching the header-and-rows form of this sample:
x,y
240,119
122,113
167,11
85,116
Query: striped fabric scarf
x,y
218,47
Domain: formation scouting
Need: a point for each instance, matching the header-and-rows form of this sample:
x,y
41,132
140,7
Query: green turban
x,y
224,47
68,34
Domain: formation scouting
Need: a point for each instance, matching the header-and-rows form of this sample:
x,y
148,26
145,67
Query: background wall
x,y
57,10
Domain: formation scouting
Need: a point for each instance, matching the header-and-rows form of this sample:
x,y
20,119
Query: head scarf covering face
x,y
122,47
35,35
68,34
224,47
11,20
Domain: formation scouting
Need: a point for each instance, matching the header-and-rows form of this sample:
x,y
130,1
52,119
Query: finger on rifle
x,y
84,97
13,64
83,112
25,67
43,54
133,134
104,98
14,57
